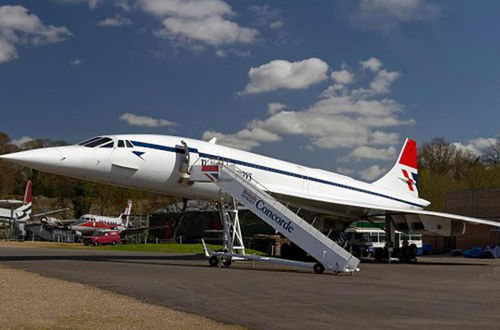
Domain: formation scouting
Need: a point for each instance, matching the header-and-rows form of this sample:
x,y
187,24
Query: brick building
x,y
483,204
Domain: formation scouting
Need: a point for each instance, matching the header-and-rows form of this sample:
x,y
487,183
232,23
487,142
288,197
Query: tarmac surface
x,y
445,293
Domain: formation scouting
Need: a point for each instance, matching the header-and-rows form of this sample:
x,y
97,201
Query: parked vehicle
x,y
103,237
365,240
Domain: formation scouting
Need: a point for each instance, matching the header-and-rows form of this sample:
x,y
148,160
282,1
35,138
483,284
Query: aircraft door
x,y
183,161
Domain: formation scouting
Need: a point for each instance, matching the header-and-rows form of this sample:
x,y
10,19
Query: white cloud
x,y
116,21
383,138
275,107
187,8
343,117
383,78
234,52
221,53
76,61
199,21
365,152
276,24
372,63
383,81
372,172
387,15
18,27
213,30
145,121
281,74
343,77
476,146
7,51
245,139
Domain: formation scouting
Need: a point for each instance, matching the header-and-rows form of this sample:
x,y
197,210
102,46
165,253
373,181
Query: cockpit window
x,y
121,144
97,142
108,145
129,145
89,140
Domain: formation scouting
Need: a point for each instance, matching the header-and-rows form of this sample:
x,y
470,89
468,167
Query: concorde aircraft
x,y
161,164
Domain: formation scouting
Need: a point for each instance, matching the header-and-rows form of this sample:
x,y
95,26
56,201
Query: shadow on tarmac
x,y
426,263
143,260
176,260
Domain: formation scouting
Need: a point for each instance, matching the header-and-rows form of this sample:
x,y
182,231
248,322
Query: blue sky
x,y
330,84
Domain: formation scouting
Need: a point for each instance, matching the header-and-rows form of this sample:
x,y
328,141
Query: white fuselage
x,y
7,214
89,223
154,163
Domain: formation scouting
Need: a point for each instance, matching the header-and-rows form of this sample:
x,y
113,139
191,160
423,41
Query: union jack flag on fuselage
x,y
211,172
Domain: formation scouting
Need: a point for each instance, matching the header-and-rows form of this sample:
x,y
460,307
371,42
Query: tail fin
x,y
403,177
23,212
28,192
126,213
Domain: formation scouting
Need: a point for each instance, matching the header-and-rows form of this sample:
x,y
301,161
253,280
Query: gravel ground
x,y
31,301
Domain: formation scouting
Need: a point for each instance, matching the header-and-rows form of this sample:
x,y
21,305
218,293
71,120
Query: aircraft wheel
x,y
227,262
113,243
96,243
213,261
86,244
318,268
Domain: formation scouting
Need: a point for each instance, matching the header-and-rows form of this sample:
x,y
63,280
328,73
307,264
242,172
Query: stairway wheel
x,y
213,261
318,268
227,262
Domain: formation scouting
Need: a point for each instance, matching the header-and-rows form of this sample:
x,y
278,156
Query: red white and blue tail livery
x,y
403,177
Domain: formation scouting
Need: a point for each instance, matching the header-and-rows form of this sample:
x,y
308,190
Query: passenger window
x,y
121,144
129,145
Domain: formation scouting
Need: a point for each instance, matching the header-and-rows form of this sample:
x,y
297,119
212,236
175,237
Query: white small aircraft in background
x,y
162,163
19,213
16,212
89,223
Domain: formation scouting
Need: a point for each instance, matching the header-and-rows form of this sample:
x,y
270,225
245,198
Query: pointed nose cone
x,y
43,159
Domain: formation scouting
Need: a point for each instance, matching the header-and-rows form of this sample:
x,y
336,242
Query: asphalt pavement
x,y
438,292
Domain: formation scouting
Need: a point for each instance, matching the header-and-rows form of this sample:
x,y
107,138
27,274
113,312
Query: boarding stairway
x,y
329,255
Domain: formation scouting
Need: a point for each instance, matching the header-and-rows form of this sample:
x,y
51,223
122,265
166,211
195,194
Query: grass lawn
x,y
164,247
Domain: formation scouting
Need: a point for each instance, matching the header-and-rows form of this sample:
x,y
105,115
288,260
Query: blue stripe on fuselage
x,y
269,169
